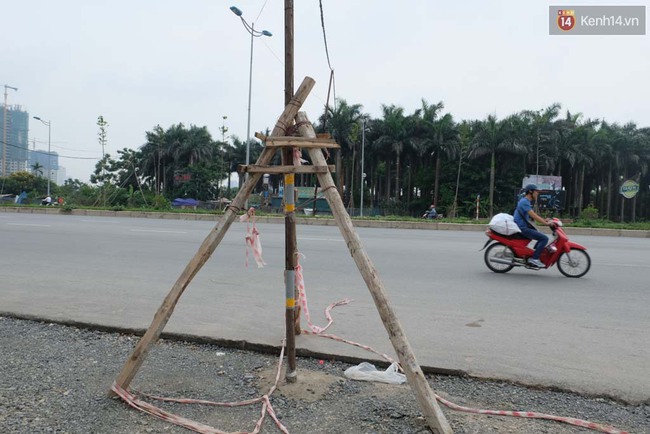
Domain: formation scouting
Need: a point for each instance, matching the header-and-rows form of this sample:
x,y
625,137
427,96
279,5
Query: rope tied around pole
x,y
234,208
292,130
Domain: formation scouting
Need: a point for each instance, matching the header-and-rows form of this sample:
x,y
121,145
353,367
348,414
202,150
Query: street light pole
x,y
250,28
49,155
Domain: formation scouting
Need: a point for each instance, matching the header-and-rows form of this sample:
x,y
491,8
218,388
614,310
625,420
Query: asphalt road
x,y
588,335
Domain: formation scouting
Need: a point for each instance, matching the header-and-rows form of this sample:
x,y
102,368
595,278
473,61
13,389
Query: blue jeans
x,y
542,240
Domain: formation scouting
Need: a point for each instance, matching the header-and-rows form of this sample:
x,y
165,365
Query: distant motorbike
x,y
505,252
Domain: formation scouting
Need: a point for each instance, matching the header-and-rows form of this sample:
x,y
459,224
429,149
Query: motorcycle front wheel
x,y
574,263
498,258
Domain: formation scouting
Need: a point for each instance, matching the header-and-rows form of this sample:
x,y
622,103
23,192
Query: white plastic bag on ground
x,y
504,224
365,371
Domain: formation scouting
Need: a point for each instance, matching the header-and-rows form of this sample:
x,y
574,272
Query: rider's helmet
x,y
529,188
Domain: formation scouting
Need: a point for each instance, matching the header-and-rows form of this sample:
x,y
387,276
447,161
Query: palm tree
x,y
494,137
153,153
237,156
426,137
445,138
577,145
343,125
464,140
396,132
541,134
627,156
37,168
193,147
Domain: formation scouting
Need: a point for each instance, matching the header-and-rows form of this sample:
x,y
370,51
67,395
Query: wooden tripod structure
x,y
425,397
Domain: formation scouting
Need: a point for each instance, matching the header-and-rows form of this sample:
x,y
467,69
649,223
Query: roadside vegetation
x,y
468,168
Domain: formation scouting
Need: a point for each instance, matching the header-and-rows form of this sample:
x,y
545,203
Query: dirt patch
x,y
310,387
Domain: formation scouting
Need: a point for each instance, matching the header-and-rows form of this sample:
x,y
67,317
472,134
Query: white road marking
x,y
101,221
158,231
321,239
624,265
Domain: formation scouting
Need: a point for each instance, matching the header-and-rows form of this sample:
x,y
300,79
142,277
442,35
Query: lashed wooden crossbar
x,y
297,142
274,170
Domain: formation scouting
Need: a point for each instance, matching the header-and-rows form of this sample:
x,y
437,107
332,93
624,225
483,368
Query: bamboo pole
x,y
425,396
208,246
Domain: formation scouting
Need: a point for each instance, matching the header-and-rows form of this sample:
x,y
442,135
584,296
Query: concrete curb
x,y
322,221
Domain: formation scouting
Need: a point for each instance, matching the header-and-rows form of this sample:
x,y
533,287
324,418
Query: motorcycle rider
x,y
523,215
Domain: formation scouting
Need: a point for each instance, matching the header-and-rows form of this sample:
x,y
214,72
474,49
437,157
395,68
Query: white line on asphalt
x,y
625,265
100,221
320,239
158,231
28,224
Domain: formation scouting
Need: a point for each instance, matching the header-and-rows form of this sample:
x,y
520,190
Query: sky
x,y
142,63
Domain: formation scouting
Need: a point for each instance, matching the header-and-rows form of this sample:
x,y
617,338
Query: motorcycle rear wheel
x,y
575,263
499,251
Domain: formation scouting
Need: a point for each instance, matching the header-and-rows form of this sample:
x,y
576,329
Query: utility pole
x,y
292,313
363,174
4,132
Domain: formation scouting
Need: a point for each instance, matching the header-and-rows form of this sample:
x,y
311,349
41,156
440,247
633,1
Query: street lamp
x,y
250,28
49,156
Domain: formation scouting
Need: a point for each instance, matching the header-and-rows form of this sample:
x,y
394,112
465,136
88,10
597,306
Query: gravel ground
x,y
54,379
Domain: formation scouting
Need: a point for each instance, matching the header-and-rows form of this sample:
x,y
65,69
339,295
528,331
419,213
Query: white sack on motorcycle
x,y
504,224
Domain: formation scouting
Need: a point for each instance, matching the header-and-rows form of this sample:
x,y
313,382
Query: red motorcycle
x,y
504,252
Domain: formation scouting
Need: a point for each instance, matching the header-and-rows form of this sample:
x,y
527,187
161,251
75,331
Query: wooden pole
x,y
288,50
291,250
292,311
425,396
208,246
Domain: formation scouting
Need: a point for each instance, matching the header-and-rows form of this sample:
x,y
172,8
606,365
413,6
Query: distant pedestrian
x,y
431,213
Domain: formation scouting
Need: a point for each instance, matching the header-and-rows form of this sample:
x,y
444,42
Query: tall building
x,y
61,176
43,159
13,133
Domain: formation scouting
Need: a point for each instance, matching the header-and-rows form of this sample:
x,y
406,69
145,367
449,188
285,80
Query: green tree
x,y
494,137
396,134
541,136
445,140
37,169
342,123
168,154
464,141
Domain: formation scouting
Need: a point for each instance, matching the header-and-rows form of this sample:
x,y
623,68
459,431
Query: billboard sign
x,y
543,182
